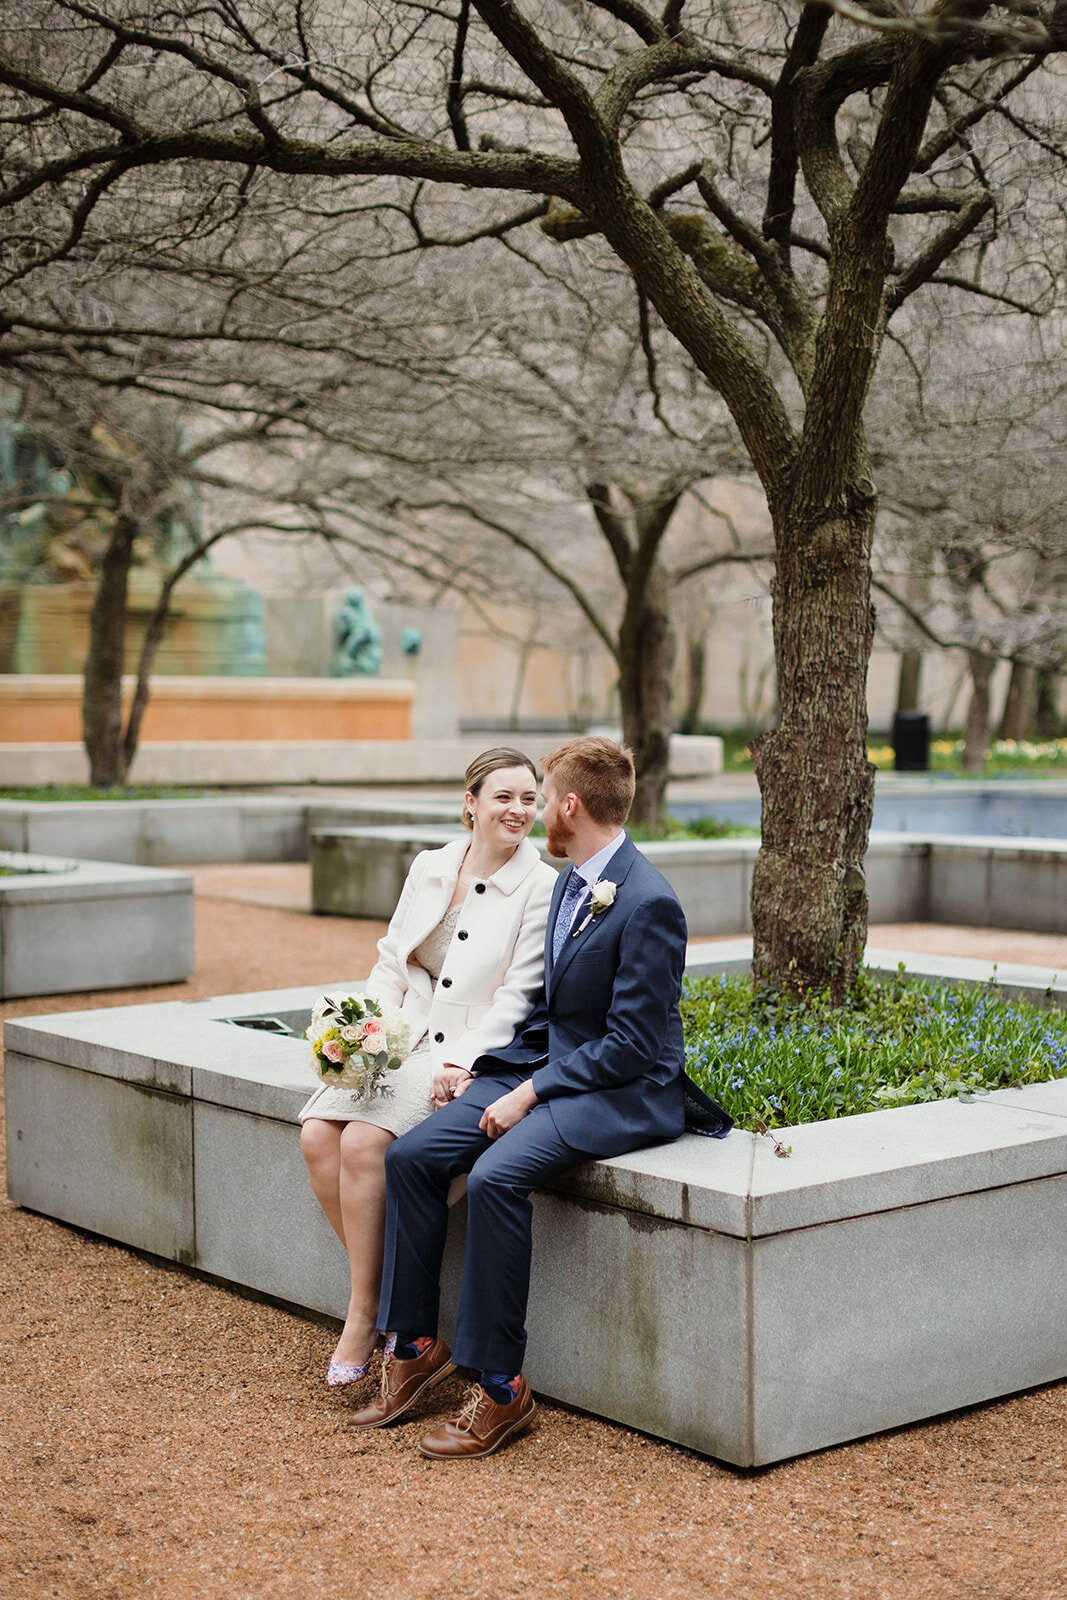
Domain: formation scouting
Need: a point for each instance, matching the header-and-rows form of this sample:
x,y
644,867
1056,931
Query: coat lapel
x,y
434,896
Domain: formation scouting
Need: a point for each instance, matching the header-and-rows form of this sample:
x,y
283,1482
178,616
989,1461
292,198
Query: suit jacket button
x,y
462,934
479,888
446,983
438,1038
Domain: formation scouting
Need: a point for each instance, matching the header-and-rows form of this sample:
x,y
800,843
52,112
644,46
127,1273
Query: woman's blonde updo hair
x,y
483,766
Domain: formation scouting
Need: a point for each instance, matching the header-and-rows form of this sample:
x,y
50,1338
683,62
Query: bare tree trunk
x,y
976,733
102,677
153,638
646,656
634,521
1018,702
809,893
908,682
1046,711
696,661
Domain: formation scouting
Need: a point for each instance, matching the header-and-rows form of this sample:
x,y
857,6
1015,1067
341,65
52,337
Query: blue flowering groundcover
x,y
781,1063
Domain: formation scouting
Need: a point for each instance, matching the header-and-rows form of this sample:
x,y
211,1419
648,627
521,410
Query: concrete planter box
x,y
160,833
69,925
991,883
895,1266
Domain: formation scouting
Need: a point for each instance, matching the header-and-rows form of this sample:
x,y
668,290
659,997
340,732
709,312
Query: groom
x,y
596,1070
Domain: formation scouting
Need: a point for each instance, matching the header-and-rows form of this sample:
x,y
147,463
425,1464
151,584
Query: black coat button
x,y
462,934
479,888
438,1038
446,983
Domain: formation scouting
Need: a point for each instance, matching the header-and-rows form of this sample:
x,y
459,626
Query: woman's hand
x,y
448,1084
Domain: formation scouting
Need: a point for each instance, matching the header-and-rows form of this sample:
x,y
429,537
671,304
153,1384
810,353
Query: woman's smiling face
x,y
505,807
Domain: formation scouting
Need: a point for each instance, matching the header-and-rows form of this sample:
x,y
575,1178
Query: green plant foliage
x,y
768,1059
697,828
1005,758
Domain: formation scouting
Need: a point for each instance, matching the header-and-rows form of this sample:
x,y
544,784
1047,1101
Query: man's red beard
x,y
558,837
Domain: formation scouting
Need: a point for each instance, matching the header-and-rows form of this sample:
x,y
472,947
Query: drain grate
x,y
263,1024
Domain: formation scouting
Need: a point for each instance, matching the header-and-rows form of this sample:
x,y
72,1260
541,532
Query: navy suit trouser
x,y
419,1166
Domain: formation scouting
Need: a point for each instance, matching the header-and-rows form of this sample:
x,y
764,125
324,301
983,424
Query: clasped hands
x,y
450,1082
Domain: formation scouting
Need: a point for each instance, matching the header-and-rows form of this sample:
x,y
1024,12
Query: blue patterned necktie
x,y
576,887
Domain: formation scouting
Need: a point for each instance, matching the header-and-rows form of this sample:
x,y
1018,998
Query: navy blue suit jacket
x,y
604,1040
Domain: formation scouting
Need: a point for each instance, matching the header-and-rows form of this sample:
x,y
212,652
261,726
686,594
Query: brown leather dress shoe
x,y
481,1427
403,1382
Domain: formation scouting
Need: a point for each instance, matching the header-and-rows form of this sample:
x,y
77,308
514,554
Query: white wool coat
x,y
494,968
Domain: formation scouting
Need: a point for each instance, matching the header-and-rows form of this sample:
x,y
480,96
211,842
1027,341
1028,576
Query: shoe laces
x,y
468,1413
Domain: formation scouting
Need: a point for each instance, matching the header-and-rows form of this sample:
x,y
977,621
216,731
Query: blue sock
x,y
410,1345
499,1387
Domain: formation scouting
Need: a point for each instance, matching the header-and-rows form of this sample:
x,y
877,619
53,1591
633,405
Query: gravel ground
x,y
167,1438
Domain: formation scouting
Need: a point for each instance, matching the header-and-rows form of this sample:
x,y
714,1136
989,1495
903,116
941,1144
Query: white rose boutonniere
x,y
603,896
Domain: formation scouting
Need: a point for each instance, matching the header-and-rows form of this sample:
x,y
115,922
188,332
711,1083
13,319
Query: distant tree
x,y
976,479
132,477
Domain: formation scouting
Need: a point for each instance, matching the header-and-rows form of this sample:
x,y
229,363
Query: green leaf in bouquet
x,y
393,1063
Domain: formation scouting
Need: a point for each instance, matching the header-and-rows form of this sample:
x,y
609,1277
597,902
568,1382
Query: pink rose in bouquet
x,y
374,1039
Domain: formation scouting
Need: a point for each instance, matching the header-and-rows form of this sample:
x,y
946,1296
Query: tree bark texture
x,y
1018,702
153,638
696,663
646,656
1047,721
634,522
976,732
908,682
809,893
104,664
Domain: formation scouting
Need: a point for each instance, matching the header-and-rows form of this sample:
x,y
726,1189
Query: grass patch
x,y
1006,758
771,1060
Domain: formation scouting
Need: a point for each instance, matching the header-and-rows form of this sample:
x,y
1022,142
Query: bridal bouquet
x,y
355,1042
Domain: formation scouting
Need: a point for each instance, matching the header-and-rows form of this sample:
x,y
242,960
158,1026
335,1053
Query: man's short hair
x,y
599,771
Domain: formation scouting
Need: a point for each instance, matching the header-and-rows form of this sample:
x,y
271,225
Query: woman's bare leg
x,y
346,1166
320,1146
362,1204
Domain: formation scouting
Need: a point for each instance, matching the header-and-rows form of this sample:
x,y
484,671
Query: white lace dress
x,y
409,1101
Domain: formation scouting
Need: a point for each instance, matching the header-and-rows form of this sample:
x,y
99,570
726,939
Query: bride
x,y
463,957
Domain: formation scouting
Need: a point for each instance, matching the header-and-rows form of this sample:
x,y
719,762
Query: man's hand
x,y
508,1110
449,1083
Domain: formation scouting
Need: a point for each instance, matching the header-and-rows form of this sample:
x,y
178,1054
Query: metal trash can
x,y
911,741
